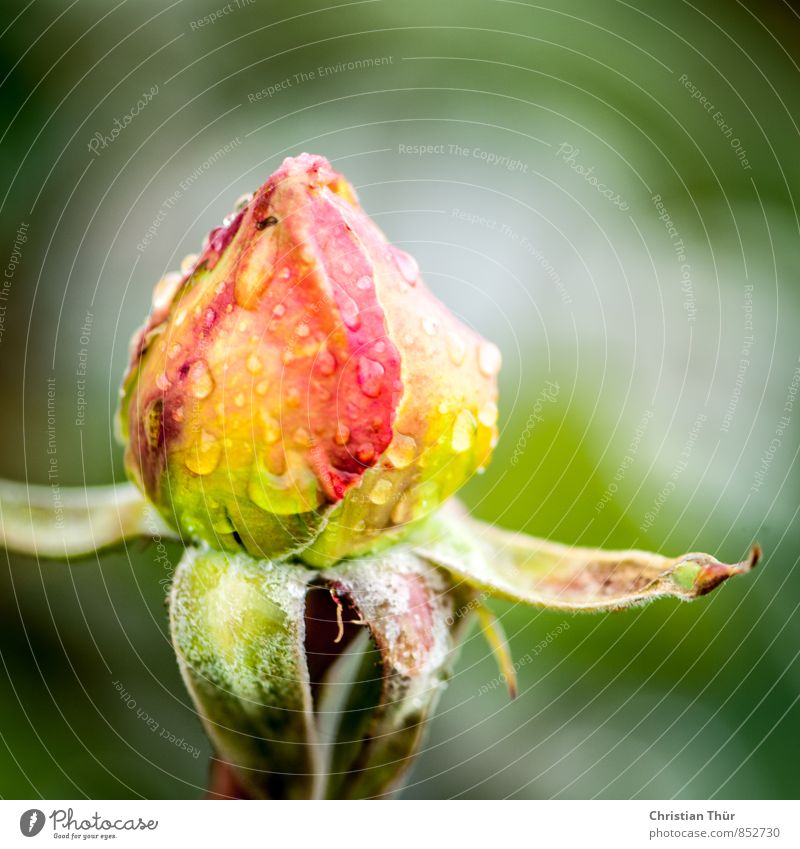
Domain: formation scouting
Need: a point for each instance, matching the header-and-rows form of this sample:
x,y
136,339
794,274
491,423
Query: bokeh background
x,y
676,351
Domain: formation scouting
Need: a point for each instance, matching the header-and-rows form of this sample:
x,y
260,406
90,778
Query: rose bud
x,y
298,389
297,397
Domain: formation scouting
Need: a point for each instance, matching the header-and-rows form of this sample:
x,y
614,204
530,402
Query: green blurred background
x,y
671,371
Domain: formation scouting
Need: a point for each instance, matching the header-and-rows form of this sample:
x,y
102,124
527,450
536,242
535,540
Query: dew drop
x,y
342,435
381,492
364,283
463,432
203,456
407,265
370,376
456,348
366,452
242,201
302,437
253,364
174,351
278,310
293,397
488,414
401,451
178,414
360,526
429,326
292,491
188,263
239,400
165,290
302,330
201,383
272,429
348,309
162,382
403,510
326,362
489,359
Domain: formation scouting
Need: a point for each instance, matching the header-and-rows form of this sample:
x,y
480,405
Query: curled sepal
x,y
238,630
62,522
521,568
415,616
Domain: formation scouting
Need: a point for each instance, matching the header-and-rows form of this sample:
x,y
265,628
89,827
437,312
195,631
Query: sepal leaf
x,y
525,569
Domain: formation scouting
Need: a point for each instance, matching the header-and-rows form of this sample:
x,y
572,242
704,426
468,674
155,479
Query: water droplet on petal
x,y
302,437
403,510
174,351
407,265
302,330
165,291
253,364
326,362
278,310
349,311
463,432
272,429
366,452
242,201
402,450
429,326
370,376
292,491
489,359
360,526
488,414
261,387
188,263
162,382
364,283
293,397
239,400
201,383
203,455
177,414
342,436
381,492
456,348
